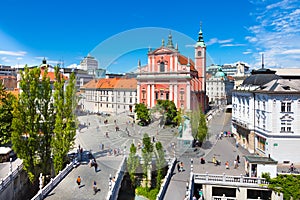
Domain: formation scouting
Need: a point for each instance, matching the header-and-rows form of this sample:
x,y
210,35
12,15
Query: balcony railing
x,y
223,198
230,180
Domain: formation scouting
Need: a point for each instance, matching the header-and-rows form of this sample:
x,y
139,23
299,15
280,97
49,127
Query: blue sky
x,y
69,30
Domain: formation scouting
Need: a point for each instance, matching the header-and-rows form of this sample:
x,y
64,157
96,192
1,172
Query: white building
x,y
89,63
219,87
109,95
266,115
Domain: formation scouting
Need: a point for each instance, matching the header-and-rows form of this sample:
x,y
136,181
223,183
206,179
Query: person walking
x,y
78,181
96,166
178,167
235,164
201,194
227,165
181,166
214,160
95,187
238,159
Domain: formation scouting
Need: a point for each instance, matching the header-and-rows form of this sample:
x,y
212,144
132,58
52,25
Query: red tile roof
x,y
112,83
51,75
184,61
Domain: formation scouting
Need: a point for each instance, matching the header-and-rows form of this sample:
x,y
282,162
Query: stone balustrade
x,y
230,180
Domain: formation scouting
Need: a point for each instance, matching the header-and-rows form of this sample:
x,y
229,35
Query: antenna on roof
x,y
262,61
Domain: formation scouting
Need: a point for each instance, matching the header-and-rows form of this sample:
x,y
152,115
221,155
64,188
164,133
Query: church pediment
x,y
163,51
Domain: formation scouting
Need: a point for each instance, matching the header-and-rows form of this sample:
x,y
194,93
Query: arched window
x,y
162,67
199,53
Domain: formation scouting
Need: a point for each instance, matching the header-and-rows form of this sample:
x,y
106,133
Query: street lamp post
x,y
174,151
109,183
10,165
10,171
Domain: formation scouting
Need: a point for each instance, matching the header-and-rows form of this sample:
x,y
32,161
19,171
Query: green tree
x,y
289,185
32,128
198,124
147,155
170,110
6,115
142,113
160,162
178,119
132,163
202,128
65,119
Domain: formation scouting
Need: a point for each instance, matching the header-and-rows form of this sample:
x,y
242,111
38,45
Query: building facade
x,y
219,87
89,63
109,95
266,115
171,76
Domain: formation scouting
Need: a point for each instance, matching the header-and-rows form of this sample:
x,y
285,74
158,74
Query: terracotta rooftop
x,y
231,78
51,75
112,83
8,76
184,61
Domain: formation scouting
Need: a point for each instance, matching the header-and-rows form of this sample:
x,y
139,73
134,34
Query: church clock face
x,y
199,53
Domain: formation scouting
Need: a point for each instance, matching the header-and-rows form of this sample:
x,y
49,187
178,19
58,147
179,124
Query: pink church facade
x,y
172,76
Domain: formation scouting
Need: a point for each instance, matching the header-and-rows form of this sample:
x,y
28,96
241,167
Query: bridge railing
x,y
115,186
49,187
10,177
165,184
227,179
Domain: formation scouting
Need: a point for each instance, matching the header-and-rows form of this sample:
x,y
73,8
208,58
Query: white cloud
x,y
74,66
276,33
291,51
248,51
212,41
251,39
13,53
225,41
189,45
5,59
217,41
232,45
41,57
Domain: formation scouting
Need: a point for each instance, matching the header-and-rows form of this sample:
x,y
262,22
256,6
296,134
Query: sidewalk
x,y
224,150
68,189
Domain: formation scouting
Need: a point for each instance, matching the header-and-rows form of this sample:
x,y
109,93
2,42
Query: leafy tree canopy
x,y
142,113
170,110
6,116
289,185
198,124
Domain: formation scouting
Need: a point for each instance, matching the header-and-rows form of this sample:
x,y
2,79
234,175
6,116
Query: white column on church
x,y
149,64
153,65
152,96
175,94
171,92
171,63
148,95
176,64
138,93
188,95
